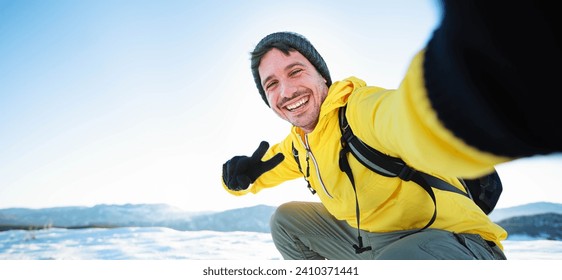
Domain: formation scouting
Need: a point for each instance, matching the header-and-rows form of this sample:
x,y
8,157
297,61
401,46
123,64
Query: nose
x,y
288,89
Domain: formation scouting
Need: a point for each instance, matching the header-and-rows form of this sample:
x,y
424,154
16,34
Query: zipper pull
x,y
310,188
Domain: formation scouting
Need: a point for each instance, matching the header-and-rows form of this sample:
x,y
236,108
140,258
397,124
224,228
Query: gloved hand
x,y
240,171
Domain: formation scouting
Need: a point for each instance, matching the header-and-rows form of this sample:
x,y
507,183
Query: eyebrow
x,y
286,68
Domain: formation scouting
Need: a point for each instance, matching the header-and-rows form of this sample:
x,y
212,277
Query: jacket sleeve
x,y
492,69
478,95
402,123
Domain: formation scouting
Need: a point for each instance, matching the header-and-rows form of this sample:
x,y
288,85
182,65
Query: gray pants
x,y
306,230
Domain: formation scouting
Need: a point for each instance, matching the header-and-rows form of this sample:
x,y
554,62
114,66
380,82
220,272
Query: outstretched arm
x,y
492,71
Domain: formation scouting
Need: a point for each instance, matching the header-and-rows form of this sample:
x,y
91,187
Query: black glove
x,y
240,171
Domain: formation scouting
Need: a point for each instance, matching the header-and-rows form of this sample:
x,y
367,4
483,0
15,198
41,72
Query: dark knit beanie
x,y
285,42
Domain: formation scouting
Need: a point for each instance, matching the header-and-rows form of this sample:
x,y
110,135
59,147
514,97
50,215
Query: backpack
x,y
484,191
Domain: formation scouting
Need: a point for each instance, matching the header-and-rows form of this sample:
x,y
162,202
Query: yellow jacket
x,y
400,123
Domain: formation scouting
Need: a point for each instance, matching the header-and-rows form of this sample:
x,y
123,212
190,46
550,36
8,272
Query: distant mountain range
x,y
137,215
538,226
541,220
525,210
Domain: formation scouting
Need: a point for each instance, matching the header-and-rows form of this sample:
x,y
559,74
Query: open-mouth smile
x,y
299,103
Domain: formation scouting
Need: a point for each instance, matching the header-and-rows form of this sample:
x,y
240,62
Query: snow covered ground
x,y
163,253
135,243
158,243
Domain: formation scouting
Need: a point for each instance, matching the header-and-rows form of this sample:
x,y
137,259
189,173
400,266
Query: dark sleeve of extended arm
x,y
493,71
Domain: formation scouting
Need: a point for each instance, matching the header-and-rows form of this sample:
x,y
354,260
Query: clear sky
x,y
142,101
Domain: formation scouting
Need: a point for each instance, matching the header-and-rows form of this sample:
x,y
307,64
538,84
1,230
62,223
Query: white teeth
x,y
297,104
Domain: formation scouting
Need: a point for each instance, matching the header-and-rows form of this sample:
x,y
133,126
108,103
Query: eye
x,y
295,72
270,85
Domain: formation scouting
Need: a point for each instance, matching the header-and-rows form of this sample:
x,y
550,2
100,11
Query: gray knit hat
x,y
285,42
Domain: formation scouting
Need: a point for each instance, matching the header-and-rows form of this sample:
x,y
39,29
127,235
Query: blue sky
x,y
142,101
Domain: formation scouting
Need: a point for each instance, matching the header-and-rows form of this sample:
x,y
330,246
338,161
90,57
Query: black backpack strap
x,y
484,191
386,165
344,166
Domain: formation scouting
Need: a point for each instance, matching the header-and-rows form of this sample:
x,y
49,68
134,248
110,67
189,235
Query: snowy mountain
x,y
540,226
525,210
254,219
528,220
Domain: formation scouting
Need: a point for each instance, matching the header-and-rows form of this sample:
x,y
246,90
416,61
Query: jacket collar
x,y
337,97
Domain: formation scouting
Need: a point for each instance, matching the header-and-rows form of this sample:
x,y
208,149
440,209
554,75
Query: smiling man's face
x,y
294,88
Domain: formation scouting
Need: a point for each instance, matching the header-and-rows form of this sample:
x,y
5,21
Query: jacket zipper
x,y
309,154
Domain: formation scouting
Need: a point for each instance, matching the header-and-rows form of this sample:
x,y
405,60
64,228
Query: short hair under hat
x,y
285,42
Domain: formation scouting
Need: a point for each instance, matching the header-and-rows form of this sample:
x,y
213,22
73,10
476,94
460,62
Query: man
x,y
454,115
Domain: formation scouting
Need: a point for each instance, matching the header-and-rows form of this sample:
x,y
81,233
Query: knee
x,y
282,215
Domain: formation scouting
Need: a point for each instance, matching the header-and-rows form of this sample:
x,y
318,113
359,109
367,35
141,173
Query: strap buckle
x,y
406,173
